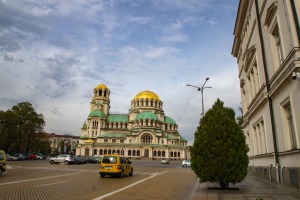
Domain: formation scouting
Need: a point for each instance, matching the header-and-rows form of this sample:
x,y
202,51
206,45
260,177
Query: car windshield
x,y
109,159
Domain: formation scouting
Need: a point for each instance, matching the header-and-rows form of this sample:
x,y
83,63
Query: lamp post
x,y
201,90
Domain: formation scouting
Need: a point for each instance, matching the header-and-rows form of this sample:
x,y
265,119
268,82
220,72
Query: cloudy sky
x,y
53,53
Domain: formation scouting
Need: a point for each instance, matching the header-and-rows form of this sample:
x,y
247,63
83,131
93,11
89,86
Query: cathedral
x,y
144,133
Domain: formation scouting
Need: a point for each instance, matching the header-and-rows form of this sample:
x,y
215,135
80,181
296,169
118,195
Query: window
x,y
290,127
277,46
121,140
113,140
146,139
105,140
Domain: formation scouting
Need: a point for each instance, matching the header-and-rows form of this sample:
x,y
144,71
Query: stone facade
x,y
267,49
144,133
63,143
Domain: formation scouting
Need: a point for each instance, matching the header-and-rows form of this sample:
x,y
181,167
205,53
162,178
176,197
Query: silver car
x,y
62,158
186,163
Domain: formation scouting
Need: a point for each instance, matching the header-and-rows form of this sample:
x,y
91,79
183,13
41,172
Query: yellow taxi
x,y
115,164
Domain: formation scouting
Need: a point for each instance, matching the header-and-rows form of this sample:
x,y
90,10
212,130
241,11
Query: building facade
x,y
267,48
144,133
63,144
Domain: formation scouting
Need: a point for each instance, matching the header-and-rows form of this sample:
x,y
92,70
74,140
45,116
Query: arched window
x,y
154,153
171,154
178,154
159,153
105,151
101,152
95,151
133,152
163,153
175,154
109,151
122,152
138,153
129,152
113,151
118,151
146,139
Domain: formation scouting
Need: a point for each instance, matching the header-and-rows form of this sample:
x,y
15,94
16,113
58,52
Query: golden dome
x,y
102,86
147,95
89,141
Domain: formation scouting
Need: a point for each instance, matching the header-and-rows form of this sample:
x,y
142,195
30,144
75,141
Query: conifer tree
x,y
219,153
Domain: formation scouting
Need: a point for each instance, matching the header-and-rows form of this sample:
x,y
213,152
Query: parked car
x,y
62,158
42,156
10,157
186,163
164,161
32,157
93,159
115,164
2,162
78,160
20,156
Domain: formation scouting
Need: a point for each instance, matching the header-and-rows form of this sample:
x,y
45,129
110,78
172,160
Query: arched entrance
x,y
87,151
146,153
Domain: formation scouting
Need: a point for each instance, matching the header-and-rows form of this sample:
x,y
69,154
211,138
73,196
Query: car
x,y
10,157
41,156
78,160
2,162
116,165
32,157
62,158
186,163
20,156
164,161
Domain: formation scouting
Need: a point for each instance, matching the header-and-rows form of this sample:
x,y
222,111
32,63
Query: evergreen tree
x,y
219,153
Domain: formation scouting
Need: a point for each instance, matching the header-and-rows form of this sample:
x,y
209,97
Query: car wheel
x,y
102,175
184,165
122,174
0,172
131,172
52,162
66,162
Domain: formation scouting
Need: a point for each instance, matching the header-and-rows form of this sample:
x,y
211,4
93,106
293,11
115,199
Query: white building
x,y
267,48
144,133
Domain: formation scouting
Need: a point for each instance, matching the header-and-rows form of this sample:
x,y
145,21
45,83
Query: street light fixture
x,y
201,90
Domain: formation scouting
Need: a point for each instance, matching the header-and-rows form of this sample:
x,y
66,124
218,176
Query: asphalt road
x,y
38,179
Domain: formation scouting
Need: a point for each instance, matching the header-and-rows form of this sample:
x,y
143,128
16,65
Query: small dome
x,y
146,115
102,86
169,120
147,95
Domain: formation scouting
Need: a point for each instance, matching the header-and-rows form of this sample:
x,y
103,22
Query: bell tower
x,y
100,100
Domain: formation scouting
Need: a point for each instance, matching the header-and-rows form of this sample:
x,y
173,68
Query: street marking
x,y
49,184
124,188
145,173
35,179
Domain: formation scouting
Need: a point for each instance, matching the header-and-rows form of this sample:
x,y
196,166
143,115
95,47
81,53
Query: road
x,y
38,179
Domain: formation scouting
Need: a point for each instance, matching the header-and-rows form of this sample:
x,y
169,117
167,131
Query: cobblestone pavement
x,y
41,181
252,188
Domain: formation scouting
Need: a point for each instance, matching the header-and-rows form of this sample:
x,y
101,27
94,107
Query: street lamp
x,y
201,90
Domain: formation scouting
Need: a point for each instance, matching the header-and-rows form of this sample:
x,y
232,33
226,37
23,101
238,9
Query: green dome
x,y
169,120
146,115
97,113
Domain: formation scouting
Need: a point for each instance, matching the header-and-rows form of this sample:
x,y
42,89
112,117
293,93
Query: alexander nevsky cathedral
x,y
144,133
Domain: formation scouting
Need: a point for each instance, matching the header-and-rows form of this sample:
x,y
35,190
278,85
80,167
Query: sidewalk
x,y
252,188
